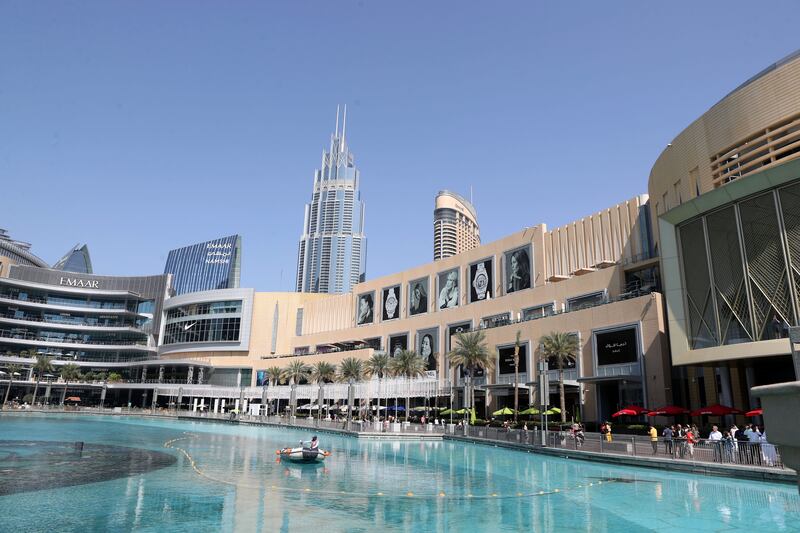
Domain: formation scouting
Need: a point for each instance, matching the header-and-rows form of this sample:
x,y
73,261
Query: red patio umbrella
x,y
668,410
754,412
716,410
639,410
624,412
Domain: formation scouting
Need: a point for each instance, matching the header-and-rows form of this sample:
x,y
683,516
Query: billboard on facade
x,y
617,347
447,286
428,346
391,303
518,269
481,280
366,307
397,343
418,296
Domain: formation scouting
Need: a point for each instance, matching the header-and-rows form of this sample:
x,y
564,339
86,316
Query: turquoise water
x,y
226,478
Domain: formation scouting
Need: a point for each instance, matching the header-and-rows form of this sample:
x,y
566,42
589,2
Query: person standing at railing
x,y
727,444
668,434
654,438
691,440
742,443
715,438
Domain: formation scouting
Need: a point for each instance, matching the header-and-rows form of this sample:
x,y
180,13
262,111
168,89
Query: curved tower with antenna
x,y
332,253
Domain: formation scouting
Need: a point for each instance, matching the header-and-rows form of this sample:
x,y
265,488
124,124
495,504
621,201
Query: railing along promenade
x,y
762,456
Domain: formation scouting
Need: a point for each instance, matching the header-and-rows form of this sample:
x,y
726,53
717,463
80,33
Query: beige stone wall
x,y
766,109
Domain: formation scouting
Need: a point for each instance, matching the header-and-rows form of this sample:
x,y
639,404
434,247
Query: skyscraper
x,y
332,254
455,225
77,259
206,266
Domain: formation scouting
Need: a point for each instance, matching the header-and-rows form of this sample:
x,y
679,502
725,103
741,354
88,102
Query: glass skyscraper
x,y
332,254
206,266
76,260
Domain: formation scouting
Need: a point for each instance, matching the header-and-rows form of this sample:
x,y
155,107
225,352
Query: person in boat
x,y
313,444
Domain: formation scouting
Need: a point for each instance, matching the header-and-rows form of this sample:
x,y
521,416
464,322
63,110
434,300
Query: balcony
x,y
65,323
21,338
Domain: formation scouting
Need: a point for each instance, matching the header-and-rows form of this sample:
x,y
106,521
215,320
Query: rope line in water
x,y
408,494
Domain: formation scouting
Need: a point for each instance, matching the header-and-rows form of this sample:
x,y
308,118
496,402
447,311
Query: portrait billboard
x,y
428,346
391,303
418,297
448,289
518,269
481,280
365,308
505,363
397,343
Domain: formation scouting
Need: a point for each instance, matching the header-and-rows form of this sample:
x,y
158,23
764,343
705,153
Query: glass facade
x,y
76,260
79,318
206,266
741,269
206,330
218,321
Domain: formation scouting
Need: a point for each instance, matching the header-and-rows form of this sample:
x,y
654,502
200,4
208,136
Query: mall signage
x,y
82,283
617,347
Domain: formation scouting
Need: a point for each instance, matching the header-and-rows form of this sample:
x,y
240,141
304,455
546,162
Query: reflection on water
x,y
35,465
236,484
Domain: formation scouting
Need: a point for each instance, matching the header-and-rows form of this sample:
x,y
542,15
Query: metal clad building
x,y
206,266
332,252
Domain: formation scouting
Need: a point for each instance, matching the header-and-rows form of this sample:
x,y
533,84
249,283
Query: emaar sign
x,y
81,283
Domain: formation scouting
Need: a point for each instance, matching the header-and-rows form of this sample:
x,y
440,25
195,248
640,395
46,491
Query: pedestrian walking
x,y
654,438
668,434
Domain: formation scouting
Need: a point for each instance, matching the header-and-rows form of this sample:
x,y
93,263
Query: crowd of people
x,y
745,445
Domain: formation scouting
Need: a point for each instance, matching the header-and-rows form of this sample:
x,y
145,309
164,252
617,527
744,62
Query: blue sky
x,y
137,127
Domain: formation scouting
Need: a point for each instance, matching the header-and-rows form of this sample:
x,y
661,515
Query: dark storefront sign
x,y
506,363
617,347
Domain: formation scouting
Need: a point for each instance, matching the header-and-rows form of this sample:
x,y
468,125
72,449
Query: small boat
x,y
302,455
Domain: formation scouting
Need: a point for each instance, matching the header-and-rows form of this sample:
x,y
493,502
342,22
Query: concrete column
x,y
216,405
239,378
725,393
236,404
144,399
202,404
130,396
161,374
200,375
194,405
750,378
222,404
244,406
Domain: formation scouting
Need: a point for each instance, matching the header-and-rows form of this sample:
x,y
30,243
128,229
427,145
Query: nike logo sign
x,y
187,326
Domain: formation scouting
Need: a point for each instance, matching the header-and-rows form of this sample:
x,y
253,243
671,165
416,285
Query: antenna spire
x,y
337,121
344,129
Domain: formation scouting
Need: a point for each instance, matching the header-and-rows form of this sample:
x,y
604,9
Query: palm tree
x,y
12,371
114,377
320,373
42,366
70,372
274,375
351,368
563,349
296,372
471,353
516,376
378,365
408,364
323,372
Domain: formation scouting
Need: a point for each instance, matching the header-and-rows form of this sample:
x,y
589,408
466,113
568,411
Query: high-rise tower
x,y
332,254
455,225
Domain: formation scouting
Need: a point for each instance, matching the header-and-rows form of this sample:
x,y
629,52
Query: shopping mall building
x,y
684,295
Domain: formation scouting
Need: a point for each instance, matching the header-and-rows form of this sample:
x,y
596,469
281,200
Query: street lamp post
x,y
544,396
